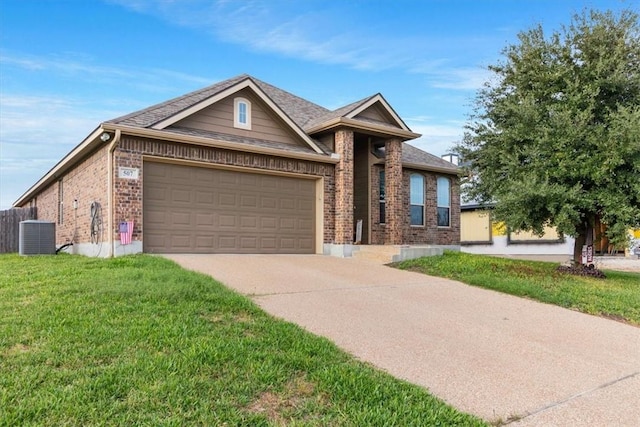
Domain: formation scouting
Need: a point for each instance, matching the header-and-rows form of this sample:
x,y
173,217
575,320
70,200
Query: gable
x,y
377,113
219,118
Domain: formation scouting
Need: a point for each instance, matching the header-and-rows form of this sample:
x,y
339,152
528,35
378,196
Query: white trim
x,y
237,102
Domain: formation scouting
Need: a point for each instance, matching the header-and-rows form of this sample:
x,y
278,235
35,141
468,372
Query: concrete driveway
x,y
486,353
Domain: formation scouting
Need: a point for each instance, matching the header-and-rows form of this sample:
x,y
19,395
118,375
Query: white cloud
x,y
437,138
327,35
84,68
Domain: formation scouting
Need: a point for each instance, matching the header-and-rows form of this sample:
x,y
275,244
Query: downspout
x,y
110,190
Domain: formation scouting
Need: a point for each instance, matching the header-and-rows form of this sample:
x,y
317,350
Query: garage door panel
x,y
306,244
249,201
305,224
227,242
178,219
249,223
204,198
204,242
205,219
227,221
268,244
269,224
227,200
181,241
249,243
203,210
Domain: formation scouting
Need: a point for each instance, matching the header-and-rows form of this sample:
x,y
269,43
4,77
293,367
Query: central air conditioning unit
x,y
37,238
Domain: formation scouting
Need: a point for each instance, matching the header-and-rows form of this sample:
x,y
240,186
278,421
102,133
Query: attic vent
x,y
37,238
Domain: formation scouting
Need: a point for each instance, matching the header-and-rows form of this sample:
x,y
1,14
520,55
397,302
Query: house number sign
x,y
128,173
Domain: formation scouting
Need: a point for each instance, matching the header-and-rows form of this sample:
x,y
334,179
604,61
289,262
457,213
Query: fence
x,y
10,227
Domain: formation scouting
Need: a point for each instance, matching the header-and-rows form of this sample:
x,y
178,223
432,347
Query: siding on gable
x,y
377,114
219,118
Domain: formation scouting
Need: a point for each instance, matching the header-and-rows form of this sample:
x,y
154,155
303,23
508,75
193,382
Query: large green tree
x,y
554,136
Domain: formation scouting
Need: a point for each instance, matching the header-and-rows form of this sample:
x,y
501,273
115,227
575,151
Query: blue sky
x,y
68,65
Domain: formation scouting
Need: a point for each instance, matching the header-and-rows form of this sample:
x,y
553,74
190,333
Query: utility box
x,y
37,238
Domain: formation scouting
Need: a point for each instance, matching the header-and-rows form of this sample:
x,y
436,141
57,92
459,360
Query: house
x,y
245,167
480,234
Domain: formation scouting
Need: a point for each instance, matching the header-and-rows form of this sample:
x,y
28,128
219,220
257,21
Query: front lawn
x,y
617,296
137,340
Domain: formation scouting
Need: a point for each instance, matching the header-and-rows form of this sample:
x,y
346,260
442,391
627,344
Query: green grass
x,y
137,340
617,296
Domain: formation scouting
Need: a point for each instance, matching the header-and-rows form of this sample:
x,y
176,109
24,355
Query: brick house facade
x,y
242,166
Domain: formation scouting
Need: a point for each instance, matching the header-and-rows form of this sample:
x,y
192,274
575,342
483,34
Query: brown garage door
x,y
191,209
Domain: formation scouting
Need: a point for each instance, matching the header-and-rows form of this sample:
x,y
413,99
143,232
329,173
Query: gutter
x,y
420,166
110,190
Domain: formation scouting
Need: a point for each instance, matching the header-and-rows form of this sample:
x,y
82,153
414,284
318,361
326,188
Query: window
x,y
416,196
382,200
60,202
242,113
444,202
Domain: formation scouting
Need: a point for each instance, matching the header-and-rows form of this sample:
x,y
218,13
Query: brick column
x,y
344,187
393,192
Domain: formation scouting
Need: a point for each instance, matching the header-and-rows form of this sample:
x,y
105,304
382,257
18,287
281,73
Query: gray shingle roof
x,y
340,112
149,116
413,155
304,113
298,109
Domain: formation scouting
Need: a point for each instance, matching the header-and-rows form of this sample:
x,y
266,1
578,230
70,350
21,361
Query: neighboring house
x,y
244,167
479,234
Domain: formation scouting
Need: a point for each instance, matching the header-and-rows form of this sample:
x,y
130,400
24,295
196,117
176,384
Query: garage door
x,y
191,209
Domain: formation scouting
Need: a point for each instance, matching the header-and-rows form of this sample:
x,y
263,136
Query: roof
x,y
306,115
412,156
298,109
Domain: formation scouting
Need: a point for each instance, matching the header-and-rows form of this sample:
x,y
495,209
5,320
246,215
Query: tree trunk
x,y
581,239
584,237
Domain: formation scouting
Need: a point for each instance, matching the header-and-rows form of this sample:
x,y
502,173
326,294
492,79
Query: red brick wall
x,y
86,183
344,188
395,220
430,233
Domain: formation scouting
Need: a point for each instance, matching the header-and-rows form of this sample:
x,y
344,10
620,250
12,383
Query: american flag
x,y
126,232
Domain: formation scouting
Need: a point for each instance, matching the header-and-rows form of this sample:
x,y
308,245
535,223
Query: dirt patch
x,y
279,407
17,349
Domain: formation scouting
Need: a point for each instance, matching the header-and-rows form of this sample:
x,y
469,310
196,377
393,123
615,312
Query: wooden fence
x,y
10,227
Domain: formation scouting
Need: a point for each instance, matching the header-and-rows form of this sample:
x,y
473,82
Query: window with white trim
x,y
242,113
416,197
444,202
